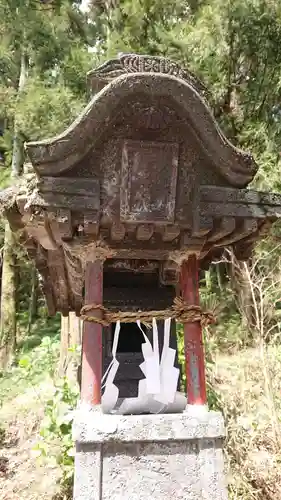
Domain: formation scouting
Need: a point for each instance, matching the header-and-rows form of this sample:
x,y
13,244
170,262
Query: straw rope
x,y
179,310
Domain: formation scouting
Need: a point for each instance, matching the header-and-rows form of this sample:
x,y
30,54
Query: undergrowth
x,y
31,364
36,361
252,447
56,442
235,384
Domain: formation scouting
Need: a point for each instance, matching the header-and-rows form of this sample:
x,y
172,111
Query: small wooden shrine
x,y
125,206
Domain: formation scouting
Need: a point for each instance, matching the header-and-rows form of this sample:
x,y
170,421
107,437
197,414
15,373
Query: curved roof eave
x,y
56,155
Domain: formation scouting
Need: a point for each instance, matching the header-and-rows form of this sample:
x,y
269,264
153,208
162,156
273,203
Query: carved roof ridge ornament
x,y
57,155
138,63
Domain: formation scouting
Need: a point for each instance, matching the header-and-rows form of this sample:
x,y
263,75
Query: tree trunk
x,y
219,272
32,314
8,301
64,343
8,324
208,280
18,149
71,337
244,299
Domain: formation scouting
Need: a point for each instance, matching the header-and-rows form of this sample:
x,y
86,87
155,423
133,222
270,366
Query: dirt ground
x,y
22,475
253,438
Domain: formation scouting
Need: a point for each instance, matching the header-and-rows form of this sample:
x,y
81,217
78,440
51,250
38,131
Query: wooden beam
x,y
81,186
193,341
92,337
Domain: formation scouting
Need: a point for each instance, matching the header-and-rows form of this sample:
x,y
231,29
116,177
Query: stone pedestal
x,y
156,457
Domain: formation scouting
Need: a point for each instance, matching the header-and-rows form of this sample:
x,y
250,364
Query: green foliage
x,y
56,443
53,42
45,355
45,110
2,435
133,26
33,366
43,62
56,432
32,363
6,145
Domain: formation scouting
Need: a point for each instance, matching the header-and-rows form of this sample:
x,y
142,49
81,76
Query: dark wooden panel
x,y
69,201
56,265
129,366
143,298
70,185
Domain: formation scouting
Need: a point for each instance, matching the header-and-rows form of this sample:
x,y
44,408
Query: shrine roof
x,y
129,76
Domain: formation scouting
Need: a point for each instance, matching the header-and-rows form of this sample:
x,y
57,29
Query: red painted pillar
x,y
193,341
92,337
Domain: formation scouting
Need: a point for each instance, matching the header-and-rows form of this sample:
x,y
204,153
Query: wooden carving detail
x,y
75,277
135,63
39,228
148,181
40,256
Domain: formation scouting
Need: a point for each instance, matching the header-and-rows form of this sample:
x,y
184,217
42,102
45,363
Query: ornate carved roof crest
x,y
135,63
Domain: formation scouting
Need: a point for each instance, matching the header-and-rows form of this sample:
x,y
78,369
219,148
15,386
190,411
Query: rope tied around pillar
x,y
179,311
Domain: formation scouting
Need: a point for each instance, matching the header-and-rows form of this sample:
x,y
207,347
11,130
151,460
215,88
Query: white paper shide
x,y
157,391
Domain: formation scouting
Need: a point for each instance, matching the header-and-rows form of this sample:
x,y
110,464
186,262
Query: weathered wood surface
x,y
148,181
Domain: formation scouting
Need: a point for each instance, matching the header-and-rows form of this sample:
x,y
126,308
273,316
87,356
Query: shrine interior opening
x,y
129,289
130,337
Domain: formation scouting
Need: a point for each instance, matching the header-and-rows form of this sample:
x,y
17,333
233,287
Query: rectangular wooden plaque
x,y
148,181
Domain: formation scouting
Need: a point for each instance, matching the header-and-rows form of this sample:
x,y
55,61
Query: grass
x,y
36,355
18,379
253,452
24,392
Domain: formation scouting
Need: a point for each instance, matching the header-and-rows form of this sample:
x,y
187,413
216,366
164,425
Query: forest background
x,y
46,49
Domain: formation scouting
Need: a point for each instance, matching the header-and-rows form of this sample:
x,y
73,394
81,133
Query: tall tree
x,y
9,267
43,60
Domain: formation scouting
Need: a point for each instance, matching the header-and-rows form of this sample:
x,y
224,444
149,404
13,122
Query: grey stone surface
x,y
157,456
88,466
92,426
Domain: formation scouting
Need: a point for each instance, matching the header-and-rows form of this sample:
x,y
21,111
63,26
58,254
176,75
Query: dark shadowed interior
x,y
130,338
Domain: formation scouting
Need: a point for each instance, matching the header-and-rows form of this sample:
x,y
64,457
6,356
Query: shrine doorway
x,y
130,338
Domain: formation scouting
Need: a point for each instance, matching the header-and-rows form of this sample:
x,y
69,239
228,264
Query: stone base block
x,y
149,457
